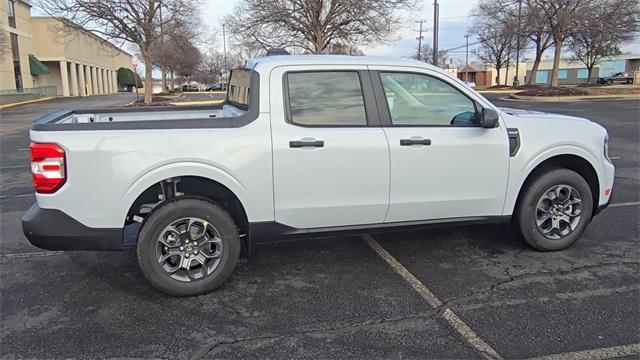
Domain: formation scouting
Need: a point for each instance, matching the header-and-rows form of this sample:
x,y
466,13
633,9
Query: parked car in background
x,y
217,87
190,88
617,78
307,146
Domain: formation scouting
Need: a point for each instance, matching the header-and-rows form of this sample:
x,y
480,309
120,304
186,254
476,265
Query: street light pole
x,y
516,81
436,23
224,44
466,73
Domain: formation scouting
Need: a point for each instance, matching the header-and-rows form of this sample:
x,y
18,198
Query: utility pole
x,y
436,22
467,58
224,45
419,38
516,80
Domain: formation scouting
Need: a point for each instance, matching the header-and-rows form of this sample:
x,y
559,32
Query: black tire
x,y
525,219
167,214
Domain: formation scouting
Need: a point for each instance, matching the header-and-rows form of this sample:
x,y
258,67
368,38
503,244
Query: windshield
x,y
239,88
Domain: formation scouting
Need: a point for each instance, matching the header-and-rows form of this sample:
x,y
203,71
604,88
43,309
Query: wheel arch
x,y
570,161
190,180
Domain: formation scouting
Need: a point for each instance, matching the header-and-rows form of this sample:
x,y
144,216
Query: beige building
x,y
53,55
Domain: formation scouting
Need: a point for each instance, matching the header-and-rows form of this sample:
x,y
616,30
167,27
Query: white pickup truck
x,y
308,145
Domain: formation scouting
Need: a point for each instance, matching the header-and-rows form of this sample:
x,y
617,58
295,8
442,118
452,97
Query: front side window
x,y
326,98
416,99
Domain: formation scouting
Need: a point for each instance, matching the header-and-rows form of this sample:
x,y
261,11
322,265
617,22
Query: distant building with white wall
x,y
575,73
54,55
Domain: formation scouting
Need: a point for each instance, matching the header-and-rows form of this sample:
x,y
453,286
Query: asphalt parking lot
x,y
468,292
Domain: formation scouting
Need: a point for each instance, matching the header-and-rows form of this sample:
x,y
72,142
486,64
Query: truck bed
x,y
224,115
136,114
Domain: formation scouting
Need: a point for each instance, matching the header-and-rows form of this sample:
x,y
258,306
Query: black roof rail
x,y
277,51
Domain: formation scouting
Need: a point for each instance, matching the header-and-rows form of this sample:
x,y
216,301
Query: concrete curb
x,y
6,106
573,98
499,91
196,103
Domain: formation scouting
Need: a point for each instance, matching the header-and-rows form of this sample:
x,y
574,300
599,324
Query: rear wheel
x,y
555,210
188,247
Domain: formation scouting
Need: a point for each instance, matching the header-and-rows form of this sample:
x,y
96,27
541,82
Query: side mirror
x,y
489,118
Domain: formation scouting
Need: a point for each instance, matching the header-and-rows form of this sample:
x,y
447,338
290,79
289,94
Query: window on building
x,y
542,77
562,74
582,74
12,14
15,54
326,98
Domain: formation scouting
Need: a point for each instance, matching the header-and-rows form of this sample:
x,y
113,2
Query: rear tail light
x,y
47,167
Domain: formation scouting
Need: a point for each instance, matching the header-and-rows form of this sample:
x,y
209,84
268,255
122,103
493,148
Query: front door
x,y
330,156
443,163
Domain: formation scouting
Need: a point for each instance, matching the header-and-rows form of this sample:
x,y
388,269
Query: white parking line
x,y
633,203
615,157
416,284
454,321
602,353
469,335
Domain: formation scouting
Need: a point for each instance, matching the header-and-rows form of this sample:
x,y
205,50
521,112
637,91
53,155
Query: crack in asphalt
x,y
514,278
202,353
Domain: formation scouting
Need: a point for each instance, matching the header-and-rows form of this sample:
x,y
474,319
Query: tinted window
x,y
326,98
416,99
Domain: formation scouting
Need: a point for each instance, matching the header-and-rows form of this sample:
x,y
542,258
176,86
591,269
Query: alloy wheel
x,y
558,211
189,249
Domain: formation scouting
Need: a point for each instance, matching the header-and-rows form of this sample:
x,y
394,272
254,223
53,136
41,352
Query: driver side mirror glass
x,y
489,118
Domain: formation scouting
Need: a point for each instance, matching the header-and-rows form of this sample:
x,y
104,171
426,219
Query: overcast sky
x,y
454,22
453,25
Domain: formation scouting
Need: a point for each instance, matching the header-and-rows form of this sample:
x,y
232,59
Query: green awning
x,y
37,67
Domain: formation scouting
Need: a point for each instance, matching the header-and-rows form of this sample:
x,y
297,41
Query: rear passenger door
x,y
330,156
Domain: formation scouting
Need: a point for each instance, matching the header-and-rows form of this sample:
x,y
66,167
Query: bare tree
x,y
314,25
496,30
212,67
426,54
536,28
134,21
242,49
341,48
562,16
176,53
609,24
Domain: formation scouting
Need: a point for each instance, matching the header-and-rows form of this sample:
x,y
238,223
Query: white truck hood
x,y
538,115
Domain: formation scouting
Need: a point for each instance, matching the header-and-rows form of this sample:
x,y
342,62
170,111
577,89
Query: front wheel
x,y
188,247
555,210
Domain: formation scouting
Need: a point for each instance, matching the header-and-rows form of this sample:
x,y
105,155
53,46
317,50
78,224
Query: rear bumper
x,y
52,229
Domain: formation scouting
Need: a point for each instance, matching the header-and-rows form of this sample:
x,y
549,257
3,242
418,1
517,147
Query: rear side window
x,y
326,99
239,88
